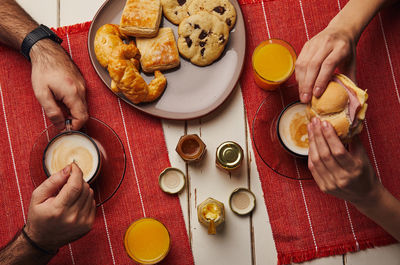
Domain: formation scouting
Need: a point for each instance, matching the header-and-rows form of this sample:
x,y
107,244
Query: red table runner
x,y
306,223
21,120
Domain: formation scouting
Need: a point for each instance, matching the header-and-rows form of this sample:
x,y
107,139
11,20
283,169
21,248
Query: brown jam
x,y
298,130
190,147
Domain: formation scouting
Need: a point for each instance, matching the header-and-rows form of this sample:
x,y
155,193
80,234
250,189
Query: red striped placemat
x,y
21,120
306,223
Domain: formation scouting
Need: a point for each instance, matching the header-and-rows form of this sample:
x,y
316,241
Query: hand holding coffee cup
x,y
62,209
73,147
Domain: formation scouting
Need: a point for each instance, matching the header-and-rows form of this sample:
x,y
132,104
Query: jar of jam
x,y
211,213
191,148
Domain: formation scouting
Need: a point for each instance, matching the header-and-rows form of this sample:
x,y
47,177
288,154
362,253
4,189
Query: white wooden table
x,y
246,240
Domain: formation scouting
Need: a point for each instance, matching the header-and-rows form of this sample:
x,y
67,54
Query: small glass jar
x,y
211,213
229,156
191,148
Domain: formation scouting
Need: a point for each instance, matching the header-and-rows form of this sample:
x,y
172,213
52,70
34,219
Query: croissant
x,y
129,82
108,37
122,63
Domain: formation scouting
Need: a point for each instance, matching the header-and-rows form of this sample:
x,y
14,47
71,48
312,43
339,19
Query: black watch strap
x,y
41,32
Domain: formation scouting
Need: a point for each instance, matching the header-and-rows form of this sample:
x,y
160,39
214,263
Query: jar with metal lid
x,y
229,156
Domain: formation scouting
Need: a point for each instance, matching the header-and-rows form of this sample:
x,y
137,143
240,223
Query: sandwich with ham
x,y
343,104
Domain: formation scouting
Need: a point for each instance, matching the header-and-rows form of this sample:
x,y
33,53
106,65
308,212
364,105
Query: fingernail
x,y
309,128
317,91
67,170
305,97
314,121
325,124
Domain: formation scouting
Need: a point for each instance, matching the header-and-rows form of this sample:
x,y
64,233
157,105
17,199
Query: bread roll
x,y
343,104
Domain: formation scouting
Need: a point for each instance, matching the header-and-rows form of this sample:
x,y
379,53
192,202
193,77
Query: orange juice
x,y
147,241
273,63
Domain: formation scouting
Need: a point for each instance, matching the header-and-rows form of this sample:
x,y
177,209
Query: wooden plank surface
x,y
43,11
232,244
243,240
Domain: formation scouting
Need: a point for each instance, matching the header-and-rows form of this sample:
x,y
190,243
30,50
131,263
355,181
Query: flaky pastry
x,y
158,53
122,63
141,18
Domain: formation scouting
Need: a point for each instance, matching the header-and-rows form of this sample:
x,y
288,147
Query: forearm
x,y
20,252
15,24
384,210
356,15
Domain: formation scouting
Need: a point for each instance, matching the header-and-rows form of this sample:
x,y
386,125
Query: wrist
x,y
356,15
40,33
352,31
42,49
37,244
372,200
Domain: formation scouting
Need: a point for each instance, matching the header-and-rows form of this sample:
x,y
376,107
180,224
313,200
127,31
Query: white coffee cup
x,y
292,129
73,146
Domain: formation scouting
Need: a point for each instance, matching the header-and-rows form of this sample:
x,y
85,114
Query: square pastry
x,y
158,53
141,18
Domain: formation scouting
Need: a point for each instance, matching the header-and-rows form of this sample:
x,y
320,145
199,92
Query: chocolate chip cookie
x,y
175,10
223,9
202,38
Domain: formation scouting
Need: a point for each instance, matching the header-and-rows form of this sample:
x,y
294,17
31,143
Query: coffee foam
x,y
293,114
72,148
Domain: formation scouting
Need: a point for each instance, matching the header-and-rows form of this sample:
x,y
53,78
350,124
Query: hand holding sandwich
x,y
334,47
331,48
349,175
345,174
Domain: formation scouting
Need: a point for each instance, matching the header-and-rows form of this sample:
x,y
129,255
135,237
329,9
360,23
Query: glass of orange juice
x,y
147,241
273,63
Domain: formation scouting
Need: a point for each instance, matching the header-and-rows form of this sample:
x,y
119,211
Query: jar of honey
x,y
273,63
211,213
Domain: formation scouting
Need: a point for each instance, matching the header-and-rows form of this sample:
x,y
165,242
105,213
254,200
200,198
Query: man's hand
x,y
55,77
62,209
345,174
331,48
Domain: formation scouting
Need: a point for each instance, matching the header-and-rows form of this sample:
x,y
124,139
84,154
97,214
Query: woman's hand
x,y
345,174
331,48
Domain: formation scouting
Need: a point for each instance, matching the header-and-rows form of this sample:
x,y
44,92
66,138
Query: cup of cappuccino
x,y
292,129
73,146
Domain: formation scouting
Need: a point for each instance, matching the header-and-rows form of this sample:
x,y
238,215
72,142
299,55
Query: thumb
x,y
51,185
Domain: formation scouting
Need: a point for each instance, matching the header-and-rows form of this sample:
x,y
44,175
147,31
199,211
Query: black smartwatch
x,y
41,32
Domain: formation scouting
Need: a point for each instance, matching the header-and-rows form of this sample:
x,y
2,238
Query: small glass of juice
x,y
273,63
147,241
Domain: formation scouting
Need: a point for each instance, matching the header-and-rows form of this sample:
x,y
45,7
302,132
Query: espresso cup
x,y
73,146
292,129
